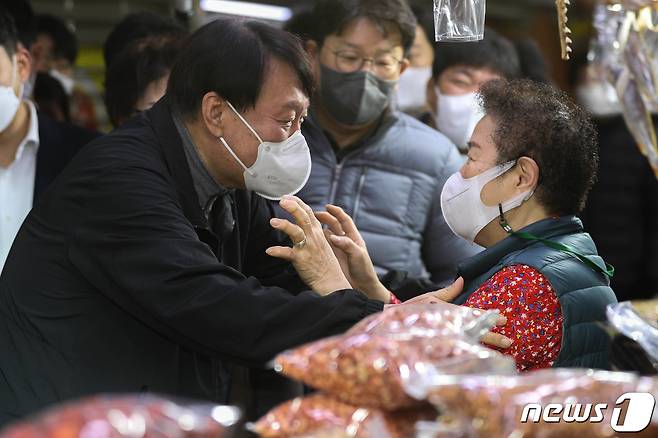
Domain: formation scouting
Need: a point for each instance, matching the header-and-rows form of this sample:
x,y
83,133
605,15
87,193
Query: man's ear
x,y
23,63
213,113
312,49
527,174
404,64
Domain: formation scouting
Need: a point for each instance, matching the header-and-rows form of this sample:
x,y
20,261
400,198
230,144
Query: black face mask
x,y
354,98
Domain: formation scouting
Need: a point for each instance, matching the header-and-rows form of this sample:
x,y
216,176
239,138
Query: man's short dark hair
x,y
231,57
138,65
65,43
302,24
541,122
494,52
331,17
24,20
135,27
425,17
8,34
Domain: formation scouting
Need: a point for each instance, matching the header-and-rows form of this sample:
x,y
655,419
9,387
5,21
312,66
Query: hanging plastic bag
x,y
368,365
129,416
320,415
459,20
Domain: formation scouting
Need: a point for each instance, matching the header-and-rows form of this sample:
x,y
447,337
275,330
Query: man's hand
x,y
310,254
351,252
450,293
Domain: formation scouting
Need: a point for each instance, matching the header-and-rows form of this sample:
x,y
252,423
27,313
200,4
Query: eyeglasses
x,y
350,62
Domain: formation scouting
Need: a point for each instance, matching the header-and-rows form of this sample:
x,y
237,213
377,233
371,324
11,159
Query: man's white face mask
x,y
412,88
280,169
9,102
456,117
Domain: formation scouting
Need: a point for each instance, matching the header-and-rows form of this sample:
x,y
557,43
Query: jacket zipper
x,y
357,200
337,173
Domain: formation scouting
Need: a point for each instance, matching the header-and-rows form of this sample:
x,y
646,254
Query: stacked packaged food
x,y
362,374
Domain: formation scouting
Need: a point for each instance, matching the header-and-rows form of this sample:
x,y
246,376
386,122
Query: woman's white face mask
x,y
462,206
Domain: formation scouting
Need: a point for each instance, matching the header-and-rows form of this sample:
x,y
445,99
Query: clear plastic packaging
x,y
320,415
444,319
130,417
459,20
494,406
639,322
368,365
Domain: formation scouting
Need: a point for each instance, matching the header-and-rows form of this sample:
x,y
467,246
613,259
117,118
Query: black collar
x,y
162,123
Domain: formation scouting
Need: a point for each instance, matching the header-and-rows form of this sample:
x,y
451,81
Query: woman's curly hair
x,y
541,122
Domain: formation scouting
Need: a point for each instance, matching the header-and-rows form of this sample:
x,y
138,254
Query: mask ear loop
x,y
245,122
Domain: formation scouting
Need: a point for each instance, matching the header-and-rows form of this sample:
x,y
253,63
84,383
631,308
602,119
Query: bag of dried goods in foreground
x,y
129,416
552,403
368,366
322,415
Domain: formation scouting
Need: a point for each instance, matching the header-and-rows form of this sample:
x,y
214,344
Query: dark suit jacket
x,y
114,283
58,144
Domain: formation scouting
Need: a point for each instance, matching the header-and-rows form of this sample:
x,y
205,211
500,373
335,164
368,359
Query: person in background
x,y
33,148
411,92
136,27
55,51
137,78
622,209
51,98
532,160
383,166
301,24
459,70
532,61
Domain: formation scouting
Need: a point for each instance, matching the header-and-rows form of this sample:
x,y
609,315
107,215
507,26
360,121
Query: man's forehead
x,y
363,31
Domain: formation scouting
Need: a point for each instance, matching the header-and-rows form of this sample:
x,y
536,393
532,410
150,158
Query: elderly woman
x,y
531,162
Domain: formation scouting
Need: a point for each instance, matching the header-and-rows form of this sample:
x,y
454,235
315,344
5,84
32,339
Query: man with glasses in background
x,y
384,168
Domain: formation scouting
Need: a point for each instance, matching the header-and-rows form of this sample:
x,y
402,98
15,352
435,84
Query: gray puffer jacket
x,y
391,183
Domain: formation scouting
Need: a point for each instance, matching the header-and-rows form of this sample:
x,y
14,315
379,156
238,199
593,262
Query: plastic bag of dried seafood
x,y
368,365
320,415
549,403
128,416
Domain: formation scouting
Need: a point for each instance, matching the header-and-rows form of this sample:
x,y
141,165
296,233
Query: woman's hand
x,y
311,254
351,252
450,293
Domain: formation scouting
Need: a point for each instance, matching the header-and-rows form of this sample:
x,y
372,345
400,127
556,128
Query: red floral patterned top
x,y
534,316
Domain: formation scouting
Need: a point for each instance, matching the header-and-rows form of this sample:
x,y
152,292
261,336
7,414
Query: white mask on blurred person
x,y
9,102
462,206
67,82
599,98
456,117
412,86
280,168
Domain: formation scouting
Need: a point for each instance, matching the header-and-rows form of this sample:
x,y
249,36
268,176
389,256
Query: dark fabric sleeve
x,y
405,287
269,270
138,249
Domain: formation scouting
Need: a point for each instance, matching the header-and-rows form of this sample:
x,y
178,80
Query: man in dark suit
x,y
33,148
147,266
